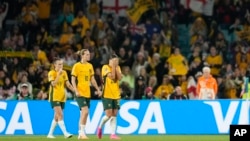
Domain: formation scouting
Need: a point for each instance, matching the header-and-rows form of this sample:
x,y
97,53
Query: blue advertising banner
x,y
135,117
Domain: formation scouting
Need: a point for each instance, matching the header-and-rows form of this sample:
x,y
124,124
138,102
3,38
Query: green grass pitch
x,y
124,138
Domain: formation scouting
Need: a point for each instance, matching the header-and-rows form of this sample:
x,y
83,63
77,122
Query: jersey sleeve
x,y
51,76
92,72
105,70
74,70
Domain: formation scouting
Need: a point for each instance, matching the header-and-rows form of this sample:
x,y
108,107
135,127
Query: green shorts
x,y
57,103
83,101
110,103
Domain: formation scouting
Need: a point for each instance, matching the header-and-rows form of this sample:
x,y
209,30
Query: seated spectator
x,y
40,55
177,95
140,86
9,89
149,94
152,82
165,89
24,93
24,79
41,95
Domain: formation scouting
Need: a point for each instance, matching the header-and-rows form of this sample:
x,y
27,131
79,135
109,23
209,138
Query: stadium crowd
x,y
155,58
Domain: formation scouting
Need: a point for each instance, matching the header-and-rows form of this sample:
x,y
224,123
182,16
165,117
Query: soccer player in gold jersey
x,y
81,76
111,74
57,97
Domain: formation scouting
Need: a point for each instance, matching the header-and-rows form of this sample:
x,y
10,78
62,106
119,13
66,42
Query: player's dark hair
x,y
56,59
113,56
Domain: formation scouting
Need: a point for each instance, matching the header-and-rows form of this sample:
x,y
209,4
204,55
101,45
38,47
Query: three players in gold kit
x,y
82,76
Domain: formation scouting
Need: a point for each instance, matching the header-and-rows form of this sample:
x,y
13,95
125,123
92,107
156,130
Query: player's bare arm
x,y
73,81
53,83
118,73
69,86
93,82
112,74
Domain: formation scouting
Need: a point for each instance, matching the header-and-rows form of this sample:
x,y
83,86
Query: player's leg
x,y
113,119
108,113
59,111
83,104
53,123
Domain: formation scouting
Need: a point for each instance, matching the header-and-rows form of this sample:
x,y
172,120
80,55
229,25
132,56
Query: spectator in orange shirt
x,y
207,85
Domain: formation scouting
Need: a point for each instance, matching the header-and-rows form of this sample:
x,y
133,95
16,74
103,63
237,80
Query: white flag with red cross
x,y
201,6
117,7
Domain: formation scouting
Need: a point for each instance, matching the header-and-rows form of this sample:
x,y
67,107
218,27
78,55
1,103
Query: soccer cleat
x,y
51,137
99,133
114,137
68,135
82,137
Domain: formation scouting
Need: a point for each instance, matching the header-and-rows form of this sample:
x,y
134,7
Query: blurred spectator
x,y
140,86
222,46
127,78
65,19
39,55
177,63
221,88
66,41
44,7
69,58
29,15
198,28
69,5
177,95
214,60
4,8
230,87
41,95
139,62
24,80
8,89
105,50
165,89
81,20
233,29
23,94
207,86
149,94
153,83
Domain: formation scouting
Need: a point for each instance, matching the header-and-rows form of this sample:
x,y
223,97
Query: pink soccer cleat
x,y
99,133
114,137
